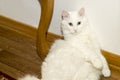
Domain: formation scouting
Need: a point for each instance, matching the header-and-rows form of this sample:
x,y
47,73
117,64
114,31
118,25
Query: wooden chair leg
x,y
46,15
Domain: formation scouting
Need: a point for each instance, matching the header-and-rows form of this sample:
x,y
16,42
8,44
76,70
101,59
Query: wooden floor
x,y
16,66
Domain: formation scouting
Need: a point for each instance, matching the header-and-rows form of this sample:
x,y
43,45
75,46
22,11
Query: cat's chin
x,y
71,34
75,33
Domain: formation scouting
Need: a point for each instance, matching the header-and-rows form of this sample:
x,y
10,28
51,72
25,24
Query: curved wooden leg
x,y
46,15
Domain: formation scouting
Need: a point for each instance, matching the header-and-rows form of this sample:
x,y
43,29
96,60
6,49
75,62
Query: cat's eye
x,y
70,24
79,23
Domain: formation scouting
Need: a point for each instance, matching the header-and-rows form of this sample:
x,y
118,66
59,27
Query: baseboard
x,y
25,30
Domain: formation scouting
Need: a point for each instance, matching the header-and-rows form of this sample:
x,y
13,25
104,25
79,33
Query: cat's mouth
x,y
75,32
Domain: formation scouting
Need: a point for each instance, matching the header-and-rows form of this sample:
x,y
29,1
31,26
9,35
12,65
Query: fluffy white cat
x,y
78,56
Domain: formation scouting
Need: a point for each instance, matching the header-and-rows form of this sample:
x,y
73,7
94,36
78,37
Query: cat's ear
x,y
82,12
65,14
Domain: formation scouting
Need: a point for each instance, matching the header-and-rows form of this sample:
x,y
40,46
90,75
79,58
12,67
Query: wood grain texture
x,y
112,58
115,73
17,37
46,15
16,66
17,26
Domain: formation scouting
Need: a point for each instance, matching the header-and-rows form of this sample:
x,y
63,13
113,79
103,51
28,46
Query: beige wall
x,y
104,17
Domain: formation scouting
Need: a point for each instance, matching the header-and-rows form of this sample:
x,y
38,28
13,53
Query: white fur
x,y
29,77
78,56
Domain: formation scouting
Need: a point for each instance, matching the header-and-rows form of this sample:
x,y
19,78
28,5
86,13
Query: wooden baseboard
x,y
17,33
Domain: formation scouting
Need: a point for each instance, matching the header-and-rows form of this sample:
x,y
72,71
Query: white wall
x,y
27,11
104,17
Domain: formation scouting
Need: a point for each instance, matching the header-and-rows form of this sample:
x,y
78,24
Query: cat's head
x,y
73,22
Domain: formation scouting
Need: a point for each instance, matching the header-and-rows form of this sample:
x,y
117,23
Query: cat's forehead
x,y
74,15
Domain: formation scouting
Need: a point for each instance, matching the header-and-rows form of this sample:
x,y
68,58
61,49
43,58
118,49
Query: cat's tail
x,y
28,77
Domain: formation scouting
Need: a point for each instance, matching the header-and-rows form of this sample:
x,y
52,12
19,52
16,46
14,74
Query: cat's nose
x,y
75,31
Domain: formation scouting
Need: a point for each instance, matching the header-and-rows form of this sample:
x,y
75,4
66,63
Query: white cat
x,y
78,56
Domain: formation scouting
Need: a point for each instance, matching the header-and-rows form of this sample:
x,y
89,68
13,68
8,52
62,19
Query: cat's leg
x,y
93,59
105,70
90,55
96,62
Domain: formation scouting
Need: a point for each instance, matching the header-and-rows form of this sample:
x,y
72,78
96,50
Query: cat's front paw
x,y
106,72
97,63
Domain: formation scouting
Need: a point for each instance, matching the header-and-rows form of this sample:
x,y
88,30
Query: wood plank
x,y
115,73
14,73
22,28
17,36
18,26
19,49
12,44
17,32
19,64
24,39
112,58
